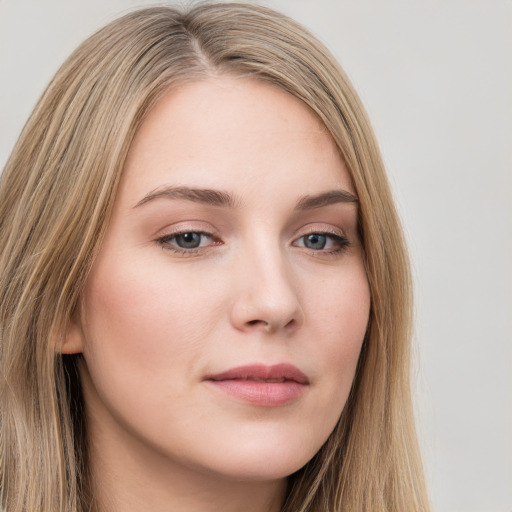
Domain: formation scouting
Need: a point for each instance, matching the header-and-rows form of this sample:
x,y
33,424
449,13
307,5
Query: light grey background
x,y
436,78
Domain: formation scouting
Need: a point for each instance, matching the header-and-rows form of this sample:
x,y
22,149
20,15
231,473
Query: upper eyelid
x,y
185,227
185,231
211,231
315,228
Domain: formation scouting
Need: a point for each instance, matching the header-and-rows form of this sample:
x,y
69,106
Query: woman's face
x,y
224,315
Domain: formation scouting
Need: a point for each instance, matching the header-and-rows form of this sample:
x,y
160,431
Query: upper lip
x,y
264,373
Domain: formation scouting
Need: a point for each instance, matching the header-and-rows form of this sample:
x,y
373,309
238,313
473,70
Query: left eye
x,y
322,242
187,240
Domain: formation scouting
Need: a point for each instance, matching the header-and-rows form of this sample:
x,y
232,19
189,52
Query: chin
x,y
261,463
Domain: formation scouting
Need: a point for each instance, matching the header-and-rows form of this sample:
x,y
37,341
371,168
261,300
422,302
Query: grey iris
x,y
315,241
188,240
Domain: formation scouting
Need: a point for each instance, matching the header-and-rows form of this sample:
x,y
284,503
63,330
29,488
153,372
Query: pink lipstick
x,y
266,386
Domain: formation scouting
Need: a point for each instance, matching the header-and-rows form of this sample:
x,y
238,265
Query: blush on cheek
x,y
144,317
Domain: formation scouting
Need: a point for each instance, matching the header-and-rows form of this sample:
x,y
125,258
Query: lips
x,y
262,385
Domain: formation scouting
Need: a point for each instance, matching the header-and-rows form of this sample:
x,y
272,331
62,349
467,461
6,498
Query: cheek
x,y
137,317
340,316
340,309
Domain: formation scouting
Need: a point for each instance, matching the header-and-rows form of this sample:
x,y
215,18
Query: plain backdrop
x,y
436,78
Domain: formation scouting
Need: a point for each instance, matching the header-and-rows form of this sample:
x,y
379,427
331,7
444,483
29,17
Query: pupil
x,y
315,241
188,240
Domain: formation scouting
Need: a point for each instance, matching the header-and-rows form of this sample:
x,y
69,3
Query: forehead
x,y
229,132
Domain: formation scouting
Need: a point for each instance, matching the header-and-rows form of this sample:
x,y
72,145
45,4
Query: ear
x,y
73,340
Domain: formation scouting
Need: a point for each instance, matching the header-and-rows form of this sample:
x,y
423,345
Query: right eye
x,y
186,241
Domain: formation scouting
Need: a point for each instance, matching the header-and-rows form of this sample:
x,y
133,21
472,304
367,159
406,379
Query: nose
x,y
266,298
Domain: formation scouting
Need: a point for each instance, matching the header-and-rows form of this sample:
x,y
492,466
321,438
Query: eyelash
x,y
166,242
341,243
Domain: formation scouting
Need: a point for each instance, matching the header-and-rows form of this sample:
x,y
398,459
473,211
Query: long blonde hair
x,y
56,195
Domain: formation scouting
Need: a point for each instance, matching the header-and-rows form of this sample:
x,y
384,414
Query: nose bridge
x,y
266,292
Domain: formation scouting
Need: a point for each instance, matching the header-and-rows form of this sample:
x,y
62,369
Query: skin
x,y
155,319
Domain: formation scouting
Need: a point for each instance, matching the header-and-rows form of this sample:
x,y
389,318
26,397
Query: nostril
x,y
256,322
291,323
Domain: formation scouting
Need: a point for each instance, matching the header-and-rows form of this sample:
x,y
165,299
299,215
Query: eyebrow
x,y
325,199
220,198
197,195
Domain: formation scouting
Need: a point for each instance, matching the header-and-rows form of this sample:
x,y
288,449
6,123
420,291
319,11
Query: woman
x,y
204,289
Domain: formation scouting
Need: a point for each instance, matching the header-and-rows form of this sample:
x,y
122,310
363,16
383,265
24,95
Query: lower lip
x,y
264,394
